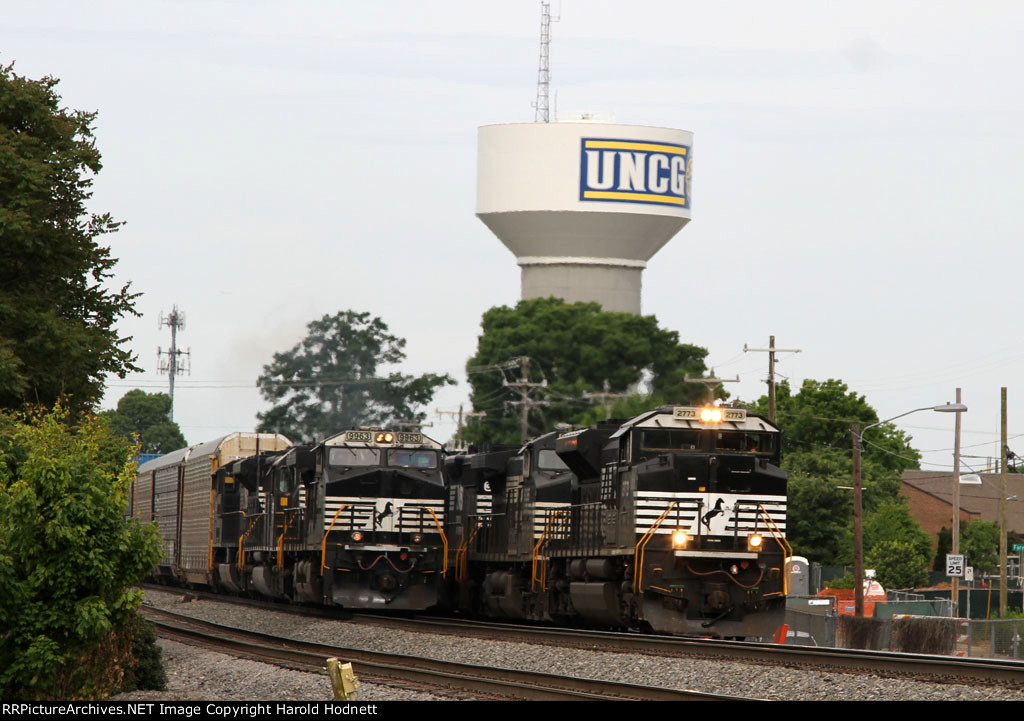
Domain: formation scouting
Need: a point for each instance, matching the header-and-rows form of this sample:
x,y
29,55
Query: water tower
x,y
584,205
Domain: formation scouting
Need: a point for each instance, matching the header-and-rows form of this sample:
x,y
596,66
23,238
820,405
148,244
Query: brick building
x,y
929,496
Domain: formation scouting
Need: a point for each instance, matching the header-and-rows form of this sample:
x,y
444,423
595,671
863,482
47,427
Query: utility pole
x,y
1002,507
956,506
171,365
858,527
771,350
605,397
525,402
711,382
458,432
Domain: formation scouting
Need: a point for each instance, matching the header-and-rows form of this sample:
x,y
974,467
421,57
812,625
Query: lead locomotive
x,y
670,521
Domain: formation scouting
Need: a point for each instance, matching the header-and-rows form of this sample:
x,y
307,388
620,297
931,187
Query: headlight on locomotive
x,y
755,542
679,539
357,536
417,538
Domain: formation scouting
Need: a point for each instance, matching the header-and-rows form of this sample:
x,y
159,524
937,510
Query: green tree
x,y
817,451
892,521
945,545
57,317
575,348
146,418
818,518
68,557
979,542
898,564
329,382
818,418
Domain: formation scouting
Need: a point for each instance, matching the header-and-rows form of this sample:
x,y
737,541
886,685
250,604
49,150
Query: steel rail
x,y
496,682
893,663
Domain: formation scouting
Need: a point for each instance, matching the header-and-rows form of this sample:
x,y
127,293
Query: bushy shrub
x,y
147,667
68,557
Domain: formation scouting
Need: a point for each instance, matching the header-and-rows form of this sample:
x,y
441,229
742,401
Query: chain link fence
x,y
907,622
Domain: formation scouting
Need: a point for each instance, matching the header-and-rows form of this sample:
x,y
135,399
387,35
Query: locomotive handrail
x,y
536,552
280,540
444,539
641,546
241,540
781,540
462,554
323,550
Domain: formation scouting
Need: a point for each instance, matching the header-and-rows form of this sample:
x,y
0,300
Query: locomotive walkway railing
x,y
254,523
641,546
323,548
781,540
539,564
444,539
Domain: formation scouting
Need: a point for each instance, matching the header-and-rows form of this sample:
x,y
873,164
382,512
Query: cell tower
x,y
542,113
169,361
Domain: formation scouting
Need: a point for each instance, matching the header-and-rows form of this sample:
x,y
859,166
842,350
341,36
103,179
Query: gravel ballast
x,y
196,674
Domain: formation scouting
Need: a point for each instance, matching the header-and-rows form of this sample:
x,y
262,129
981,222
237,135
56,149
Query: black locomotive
x,y
669,521
355,521
672,521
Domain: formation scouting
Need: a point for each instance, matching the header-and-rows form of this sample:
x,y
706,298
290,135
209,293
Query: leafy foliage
x,y
845,581
898,564
67,557
945,546
818,454
575,348
979,542
57,334
329,382
818,418
146,418
147,669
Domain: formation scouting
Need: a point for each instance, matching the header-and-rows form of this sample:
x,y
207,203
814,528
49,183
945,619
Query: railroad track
x,y
437,674
942,668
886,663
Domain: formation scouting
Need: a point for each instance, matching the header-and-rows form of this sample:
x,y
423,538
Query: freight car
x,y
672,521
176,491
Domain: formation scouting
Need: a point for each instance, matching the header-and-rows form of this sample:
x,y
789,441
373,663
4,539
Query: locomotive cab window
x,y
665,439
354,457
548,460
284,481
745,442
412,459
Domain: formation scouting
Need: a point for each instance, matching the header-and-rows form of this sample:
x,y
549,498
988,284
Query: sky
x,y
857,169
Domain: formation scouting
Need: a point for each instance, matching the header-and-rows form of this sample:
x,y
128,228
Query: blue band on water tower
x,y
635,171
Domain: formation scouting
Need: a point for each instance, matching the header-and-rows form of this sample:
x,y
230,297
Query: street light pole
x,y
956,505
858,527
858,533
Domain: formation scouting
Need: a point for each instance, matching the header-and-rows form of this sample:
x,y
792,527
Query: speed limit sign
x,y
954,564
